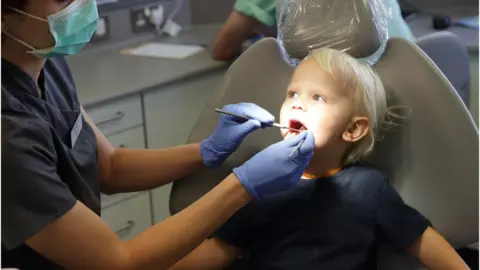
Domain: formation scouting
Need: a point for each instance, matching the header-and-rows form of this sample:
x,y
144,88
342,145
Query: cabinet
x,y
122,122
132,138
165,117
118,115
129,218
170,114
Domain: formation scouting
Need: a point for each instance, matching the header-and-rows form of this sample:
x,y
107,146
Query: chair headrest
x,y
358,27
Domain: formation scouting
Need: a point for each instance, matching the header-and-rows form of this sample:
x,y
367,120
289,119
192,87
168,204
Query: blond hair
x,y
370,95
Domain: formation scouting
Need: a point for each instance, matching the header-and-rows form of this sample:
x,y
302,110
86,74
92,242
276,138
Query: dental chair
x,y
455,64
431,159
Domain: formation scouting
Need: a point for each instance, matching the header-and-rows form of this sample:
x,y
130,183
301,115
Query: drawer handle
x,y
122,145
117,116
127,228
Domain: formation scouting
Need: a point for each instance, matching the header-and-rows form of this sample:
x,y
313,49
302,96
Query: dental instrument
x,y
296,148
248,118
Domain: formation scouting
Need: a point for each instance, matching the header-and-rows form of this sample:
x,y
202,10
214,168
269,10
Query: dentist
x,y
55,161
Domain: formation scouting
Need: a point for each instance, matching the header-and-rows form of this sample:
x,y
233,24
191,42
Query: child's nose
x,y
298,105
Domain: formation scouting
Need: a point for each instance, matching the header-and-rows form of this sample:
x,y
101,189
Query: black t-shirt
x,y
49,158
330,223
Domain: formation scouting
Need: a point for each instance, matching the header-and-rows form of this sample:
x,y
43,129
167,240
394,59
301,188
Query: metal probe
x,y
274,124
248,118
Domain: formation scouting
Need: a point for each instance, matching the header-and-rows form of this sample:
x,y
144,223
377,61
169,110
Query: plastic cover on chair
x,y
356,27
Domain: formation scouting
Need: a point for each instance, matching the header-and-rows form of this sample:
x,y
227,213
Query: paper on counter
x,y
164,50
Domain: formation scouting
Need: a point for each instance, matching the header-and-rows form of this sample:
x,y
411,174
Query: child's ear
x,y
357,129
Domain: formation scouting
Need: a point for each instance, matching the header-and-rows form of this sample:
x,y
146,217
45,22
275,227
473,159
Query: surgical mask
x,y
72,28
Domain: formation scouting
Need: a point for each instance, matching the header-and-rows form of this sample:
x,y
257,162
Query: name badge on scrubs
x,y
77,128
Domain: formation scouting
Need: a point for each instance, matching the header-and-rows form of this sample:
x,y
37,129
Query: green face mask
x,y
72,28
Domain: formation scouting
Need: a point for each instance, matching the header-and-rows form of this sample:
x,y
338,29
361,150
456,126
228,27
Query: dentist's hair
x,y
7,4
370,96
6,8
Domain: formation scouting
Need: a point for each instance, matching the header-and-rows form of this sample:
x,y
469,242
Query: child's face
x,y
315,101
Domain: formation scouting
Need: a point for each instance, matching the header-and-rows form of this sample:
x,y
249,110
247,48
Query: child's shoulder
x,y
364,173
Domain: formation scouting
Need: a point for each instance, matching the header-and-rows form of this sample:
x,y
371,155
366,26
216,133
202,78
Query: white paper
x,y
163,50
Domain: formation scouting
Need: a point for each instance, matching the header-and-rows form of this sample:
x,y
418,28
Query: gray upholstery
x,y
432,168
451,56
432,160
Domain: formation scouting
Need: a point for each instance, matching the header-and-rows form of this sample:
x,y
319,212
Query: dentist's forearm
x,y
167,242
128,170
234,32
141,169
79,239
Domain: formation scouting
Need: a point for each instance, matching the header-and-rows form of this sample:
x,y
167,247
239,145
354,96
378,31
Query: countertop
x,y
422,25
103,74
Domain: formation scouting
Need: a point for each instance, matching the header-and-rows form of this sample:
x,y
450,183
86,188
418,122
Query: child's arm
x,y
436,253
212,254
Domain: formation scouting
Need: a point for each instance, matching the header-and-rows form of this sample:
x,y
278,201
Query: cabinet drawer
x,y
160,201
132,138
172,111
116,116
129,218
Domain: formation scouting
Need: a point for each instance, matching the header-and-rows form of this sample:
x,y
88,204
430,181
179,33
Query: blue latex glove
x,y
272,170
231,131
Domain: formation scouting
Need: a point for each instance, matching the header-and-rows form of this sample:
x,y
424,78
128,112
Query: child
x,y
340,210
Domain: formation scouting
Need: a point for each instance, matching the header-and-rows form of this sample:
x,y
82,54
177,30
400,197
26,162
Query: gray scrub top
x,y
49,158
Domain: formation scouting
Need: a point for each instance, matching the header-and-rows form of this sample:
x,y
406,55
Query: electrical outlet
x,y
102,32
143,19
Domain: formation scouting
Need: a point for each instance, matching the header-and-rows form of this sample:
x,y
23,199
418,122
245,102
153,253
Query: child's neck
x,y
322,167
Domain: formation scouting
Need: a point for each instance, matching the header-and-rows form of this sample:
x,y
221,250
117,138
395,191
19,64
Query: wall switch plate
x,y
144,19
103,30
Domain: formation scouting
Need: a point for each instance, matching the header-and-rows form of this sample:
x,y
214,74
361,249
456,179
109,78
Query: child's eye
x,y
318,98
292,94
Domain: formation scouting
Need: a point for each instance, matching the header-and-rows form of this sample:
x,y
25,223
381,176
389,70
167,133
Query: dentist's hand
x,y
272,170
231,131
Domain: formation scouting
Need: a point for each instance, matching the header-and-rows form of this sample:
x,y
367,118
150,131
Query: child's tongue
x,y
296,124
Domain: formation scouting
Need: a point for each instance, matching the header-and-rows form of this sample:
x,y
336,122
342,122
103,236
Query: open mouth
x,y
295,124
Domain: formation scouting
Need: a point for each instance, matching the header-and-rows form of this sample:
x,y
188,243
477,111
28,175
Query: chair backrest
x,y
432,160
455,64
432,167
